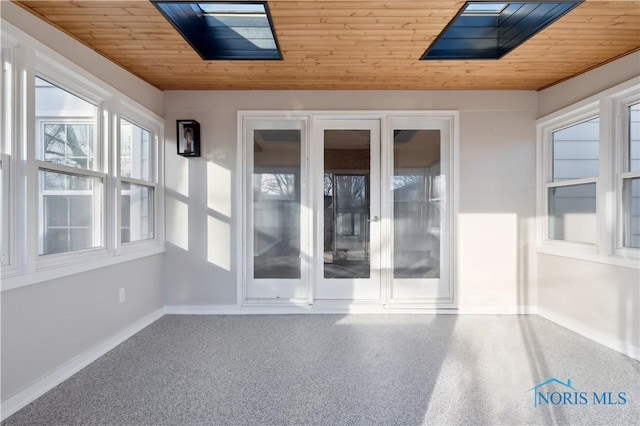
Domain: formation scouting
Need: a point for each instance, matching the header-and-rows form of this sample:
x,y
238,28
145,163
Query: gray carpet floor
x,y
345,370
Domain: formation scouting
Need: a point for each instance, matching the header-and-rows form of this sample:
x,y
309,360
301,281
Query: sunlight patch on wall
x,y
489,257
177,175
219,189
177,223
219,243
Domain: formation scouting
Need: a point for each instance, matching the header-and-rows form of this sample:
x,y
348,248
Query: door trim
x,y
450,118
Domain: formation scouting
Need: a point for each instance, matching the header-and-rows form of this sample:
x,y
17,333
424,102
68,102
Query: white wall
x,y
599,301
595,299
497,189
48,324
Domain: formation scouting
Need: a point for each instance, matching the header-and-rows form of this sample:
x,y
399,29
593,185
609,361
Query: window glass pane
x,y
631,191
6,96
6,127
576,151
65,125
417,188
135,150
71,215
276,203
634,138
572,213
347,169
137,212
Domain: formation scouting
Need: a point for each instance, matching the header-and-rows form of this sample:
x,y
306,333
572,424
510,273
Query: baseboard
x,y
355,309
605,340
71,367
202,310
497,309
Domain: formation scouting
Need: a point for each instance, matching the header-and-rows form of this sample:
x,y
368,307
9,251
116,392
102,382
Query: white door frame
x,y
447,119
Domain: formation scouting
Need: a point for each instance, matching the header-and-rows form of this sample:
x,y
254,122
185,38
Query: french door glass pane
x,y
276,203
347,166
572,213
417,198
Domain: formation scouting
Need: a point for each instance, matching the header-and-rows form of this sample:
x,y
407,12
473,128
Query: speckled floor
x,y
339,370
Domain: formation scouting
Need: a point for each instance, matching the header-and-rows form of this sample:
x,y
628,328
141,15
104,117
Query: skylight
x,y
233,8
484,8
224,30
488,30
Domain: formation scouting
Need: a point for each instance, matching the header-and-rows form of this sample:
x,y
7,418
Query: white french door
x,y
275,215
348,210
347,206
418,173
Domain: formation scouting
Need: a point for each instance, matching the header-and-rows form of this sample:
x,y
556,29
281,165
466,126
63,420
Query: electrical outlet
x,y
122,296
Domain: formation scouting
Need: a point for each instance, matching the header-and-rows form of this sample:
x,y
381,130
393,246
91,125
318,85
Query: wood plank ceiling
x,y
347,44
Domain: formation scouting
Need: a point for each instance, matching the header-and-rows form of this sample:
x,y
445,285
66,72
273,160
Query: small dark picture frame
x,y
188,138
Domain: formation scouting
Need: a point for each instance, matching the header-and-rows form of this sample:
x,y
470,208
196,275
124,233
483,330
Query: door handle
x,y
374,219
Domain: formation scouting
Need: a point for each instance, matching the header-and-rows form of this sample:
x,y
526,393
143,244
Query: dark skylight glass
x,y
488,30
224,30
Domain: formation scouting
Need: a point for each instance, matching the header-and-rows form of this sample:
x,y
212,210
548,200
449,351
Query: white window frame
x,y
8,94
609,210
76,84
545,133
33,59
620,107
131,113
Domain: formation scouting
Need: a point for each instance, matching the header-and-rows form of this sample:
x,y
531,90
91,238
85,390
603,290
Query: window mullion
x,y
45,165
571,182
140,182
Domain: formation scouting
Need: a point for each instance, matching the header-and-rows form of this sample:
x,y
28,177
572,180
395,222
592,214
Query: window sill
x,y
628,260
89,261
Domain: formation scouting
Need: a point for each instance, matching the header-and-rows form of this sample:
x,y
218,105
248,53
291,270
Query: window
x,y
572,192
589,178
629,178
136,184
70,178
83,181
